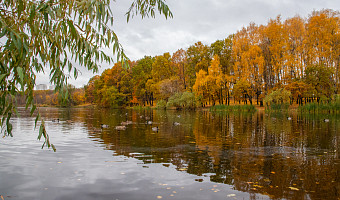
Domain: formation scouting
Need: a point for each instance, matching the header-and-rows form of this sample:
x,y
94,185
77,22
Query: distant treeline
x,y
76,96
298,55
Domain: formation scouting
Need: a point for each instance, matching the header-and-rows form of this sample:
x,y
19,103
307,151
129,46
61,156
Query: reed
x,y
233,108
332,107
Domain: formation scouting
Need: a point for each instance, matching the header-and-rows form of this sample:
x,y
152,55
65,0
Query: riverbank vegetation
x,y
295,61
277,65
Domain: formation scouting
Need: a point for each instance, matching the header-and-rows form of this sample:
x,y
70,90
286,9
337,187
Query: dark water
x,y
207,156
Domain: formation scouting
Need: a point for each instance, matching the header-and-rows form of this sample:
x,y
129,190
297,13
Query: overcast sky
x,y
196,20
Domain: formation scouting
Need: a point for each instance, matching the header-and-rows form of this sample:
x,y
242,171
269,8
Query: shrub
x,y
185,100
161,104
278,99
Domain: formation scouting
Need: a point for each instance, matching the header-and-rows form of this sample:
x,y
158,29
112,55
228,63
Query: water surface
x,y
207,156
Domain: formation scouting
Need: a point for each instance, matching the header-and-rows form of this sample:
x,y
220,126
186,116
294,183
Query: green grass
x,y
141,108
233,108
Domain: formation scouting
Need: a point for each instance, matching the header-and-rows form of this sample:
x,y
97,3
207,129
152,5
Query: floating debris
x,y
293,188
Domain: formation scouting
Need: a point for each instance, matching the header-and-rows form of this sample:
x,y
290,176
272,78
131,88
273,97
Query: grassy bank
x,y
233,108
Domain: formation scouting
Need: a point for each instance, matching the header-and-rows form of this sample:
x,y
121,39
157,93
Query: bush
x,y
278,99
161,104
185,100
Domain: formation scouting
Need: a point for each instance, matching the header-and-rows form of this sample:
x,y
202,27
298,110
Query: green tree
x,y
54,34
320,78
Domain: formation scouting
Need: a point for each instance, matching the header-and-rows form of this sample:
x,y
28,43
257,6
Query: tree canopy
x,y
300,55
55,34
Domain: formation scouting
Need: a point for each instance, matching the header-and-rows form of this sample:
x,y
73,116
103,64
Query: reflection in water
x,y
268,154
295,158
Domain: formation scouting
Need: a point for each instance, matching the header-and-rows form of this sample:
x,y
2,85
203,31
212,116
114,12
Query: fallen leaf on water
x,y
182,169
59,162
250,182
2,198
231,195
293,188
159,197
174,192
172,195
168,188
272,172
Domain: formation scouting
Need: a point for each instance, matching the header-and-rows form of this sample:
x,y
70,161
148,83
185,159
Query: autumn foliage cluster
x,y
299,55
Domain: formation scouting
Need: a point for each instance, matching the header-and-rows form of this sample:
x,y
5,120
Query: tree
x,y
198,57
320,79
242,90
179,62
90,90
141,73
54,34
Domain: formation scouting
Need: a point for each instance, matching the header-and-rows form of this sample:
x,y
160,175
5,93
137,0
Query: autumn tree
x,y
180,64
248,57
243,91
141,73
198,56
90,90
161,70
323,34
200,87
296,42
223,48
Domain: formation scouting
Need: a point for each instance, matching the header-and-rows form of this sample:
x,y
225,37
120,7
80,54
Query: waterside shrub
x,y
161,104
278,99
185,100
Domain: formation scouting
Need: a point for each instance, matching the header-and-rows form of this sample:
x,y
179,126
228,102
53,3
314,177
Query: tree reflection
x,y
256,153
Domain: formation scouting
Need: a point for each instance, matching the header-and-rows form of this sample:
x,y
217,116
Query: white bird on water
x,y
176,124
104,126
120,128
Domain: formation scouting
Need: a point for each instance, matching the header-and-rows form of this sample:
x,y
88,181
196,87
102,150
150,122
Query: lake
x,y
204,155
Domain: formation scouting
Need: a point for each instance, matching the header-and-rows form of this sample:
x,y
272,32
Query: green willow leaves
x,y
55,34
